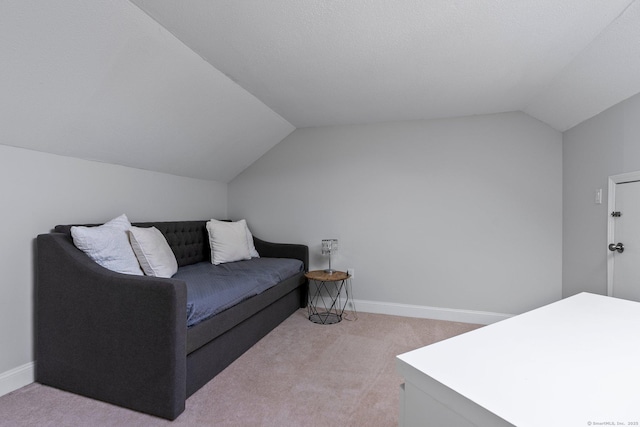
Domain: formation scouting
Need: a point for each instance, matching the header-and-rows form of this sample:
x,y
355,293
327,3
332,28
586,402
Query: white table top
x,y
565,364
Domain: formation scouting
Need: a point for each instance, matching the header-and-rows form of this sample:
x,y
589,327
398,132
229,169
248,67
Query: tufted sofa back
x,y
188,240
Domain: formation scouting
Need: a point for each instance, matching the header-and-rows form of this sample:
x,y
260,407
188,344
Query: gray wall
x,y
41,190
101,80
460,213
607,144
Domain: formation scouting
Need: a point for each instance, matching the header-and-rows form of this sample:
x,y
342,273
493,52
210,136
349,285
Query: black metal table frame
x,y
333,312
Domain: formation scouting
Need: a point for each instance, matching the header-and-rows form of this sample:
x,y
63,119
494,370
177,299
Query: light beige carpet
x,y
301,374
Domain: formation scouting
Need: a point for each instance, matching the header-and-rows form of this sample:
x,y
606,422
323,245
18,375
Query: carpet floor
x,y
300,374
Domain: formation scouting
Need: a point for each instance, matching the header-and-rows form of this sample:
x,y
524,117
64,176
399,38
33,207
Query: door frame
x,y
613,181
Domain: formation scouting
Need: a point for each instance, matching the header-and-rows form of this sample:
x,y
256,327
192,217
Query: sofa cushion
x,y
252,249
212,289
153,252
228,241
201,334
108,245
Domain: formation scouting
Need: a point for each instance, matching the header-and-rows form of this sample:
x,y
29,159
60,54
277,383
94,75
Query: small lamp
x,y
329,246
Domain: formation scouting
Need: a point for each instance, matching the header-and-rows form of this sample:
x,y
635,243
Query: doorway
x,y
623,246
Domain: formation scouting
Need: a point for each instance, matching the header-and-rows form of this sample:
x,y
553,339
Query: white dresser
x,y
575,362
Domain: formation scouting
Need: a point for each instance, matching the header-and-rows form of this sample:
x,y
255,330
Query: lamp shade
x,y
329,246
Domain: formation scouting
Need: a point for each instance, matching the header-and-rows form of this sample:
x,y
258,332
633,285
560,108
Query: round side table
x,y
325,305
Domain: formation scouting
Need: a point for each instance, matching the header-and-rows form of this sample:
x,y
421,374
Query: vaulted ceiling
x,y
202,88
320,63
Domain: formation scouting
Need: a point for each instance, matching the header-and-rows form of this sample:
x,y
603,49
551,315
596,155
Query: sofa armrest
x,y
113,337
282,250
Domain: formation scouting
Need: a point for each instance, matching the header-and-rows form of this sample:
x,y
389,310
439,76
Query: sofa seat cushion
x,y
214,327
212,289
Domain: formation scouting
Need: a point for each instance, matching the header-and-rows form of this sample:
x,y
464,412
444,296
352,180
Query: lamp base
x,y
329,270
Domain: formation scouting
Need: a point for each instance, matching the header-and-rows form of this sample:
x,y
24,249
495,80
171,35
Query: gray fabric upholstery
x,y
123,339
214,288
211,359
188,240
109,336
208,330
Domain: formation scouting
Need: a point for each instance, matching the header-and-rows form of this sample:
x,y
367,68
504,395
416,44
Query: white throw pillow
x,y
153,252
252,249
228,241
108,245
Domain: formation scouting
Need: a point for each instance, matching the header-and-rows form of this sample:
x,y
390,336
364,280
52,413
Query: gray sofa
x,y
123,339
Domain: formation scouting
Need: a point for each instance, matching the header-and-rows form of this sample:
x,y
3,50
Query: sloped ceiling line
x,y
106,80
323,63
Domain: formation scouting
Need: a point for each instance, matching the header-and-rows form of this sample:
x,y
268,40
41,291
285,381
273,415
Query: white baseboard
x,y
17,378
426,312
419,311
409,310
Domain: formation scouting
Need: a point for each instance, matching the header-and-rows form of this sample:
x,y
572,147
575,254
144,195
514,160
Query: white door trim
x,y
613,181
